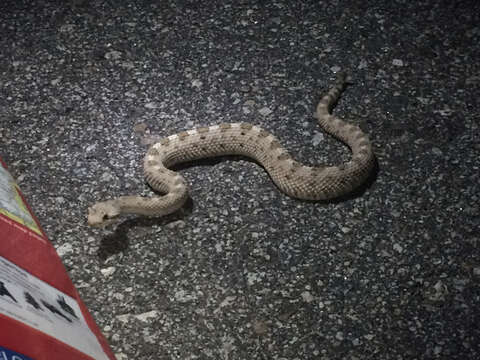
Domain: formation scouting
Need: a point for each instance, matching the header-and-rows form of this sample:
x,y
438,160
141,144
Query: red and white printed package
x,y
41,314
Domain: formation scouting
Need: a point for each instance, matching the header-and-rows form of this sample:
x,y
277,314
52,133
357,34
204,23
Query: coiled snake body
x,y
291,177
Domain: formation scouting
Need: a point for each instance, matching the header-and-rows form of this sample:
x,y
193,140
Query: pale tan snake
x,y
291,177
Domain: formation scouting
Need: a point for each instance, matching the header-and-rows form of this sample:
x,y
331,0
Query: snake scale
x,y
291,177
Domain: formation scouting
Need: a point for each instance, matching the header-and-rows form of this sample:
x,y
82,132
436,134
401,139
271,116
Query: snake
x,y
290,176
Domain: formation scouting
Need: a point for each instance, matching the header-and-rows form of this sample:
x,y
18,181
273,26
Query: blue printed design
x,y
6,354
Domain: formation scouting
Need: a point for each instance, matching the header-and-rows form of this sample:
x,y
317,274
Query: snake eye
x,y
105,217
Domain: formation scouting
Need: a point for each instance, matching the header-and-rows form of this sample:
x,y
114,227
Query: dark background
x,y
244,272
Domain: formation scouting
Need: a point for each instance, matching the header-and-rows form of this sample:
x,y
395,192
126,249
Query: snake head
x,y
103,214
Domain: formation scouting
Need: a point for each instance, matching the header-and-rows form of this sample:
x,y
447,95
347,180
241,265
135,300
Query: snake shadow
x,y
118,241
357,192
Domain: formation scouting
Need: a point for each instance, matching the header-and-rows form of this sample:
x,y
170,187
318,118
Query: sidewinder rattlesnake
x,y
291,177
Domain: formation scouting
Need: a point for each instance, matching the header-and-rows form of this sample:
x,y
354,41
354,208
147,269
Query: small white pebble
x,y
121,356
395,213
307,297
90,148
397,248
64,249
151,105
335,69
55,81
345,229
246,110
397,62
106,177
179,224
113,55
108,271
317,138
363,64
197,83
123,318
265,111
148,315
